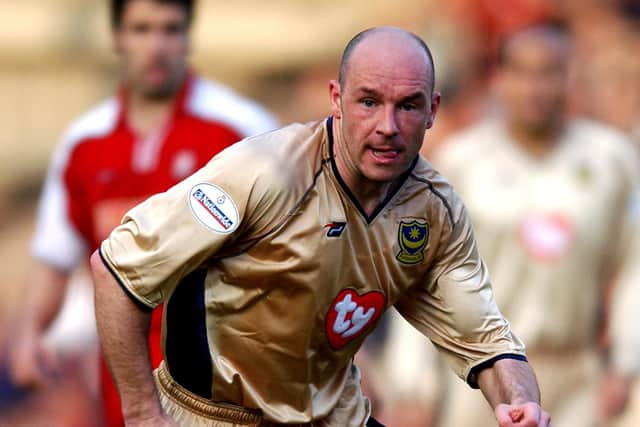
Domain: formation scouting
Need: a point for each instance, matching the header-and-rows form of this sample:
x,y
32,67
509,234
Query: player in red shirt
x,y
163,124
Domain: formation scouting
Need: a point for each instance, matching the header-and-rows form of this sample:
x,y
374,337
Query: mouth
x,y
385,155
157,73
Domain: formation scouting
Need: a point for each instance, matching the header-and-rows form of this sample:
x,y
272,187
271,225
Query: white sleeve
x,y
214,101
55,241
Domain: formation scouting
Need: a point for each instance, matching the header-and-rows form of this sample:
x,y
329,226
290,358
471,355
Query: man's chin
x,y
383,176
158,93
159,89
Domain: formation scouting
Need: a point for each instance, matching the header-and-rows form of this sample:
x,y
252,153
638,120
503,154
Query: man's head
x,y
383,102
532,77
152,38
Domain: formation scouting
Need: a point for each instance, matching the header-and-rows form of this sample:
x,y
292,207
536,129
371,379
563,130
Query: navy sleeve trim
x,y
472,378
126,290
439,195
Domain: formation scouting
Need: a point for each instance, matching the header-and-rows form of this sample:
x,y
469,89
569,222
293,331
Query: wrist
x,y
142,412
141,408
523,401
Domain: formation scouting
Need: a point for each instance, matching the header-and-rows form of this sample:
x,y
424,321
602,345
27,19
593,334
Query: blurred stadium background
x,y
56,62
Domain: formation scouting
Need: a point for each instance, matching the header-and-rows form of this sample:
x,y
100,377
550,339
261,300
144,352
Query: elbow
x,y
99,271
97,266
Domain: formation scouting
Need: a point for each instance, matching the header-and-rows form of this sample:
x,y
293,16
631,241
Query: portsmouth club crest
x,y
412,238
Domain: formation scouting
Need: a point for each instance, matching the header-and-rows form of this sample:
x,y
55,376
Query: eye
x,y
174,28
141,28
368,102
408,106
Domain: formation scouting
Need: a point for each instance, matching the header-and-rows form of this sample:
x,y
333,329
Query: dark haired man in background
x,y
163,124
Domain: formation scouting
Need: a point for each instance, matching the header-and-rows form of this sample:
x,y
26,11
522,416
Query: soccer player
x,y
164,123
278,258
554,205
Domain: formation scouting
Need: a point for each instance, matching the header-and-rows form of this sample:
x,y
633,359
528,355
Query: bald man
x,y
554,203
278,258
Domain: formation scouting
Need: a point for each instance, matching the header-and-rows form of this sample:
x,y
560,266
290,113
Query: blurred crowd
x,y
402,373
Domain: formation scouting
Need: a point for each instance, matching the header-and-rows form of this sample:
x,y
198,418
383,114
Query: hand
x,y
158,420
614,394
31,364
529,414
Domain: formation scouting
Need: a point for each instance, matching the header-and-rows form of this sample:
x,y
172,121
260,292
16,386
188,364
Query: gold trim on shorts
x,y
215,411
203,407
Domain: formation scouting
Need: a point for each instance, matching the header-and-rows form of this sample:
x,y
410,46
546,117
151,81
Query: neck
x,y
537,142
368,193
146,115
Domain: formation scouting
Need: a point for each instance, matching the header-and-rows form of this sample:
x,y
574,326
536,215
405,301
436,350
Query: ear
x,y
435,104
189,44
335,91
116,41
496,81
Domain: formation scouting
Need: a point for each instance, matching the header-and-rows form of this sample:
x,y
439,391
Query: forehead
x,y
150,9
537,48
394,63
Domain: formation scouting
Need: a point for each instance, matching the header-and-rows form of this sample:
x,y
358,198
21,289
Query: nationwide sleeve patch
x,y
213,208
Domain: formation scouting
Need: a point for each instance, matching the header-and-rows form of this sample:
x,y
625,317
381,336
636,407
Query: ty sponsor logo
x,y
213,208
547,237
351,315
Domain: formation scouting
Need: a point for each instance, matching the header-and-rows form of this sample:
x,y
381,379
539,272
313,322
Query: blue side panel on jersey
x,y
186,347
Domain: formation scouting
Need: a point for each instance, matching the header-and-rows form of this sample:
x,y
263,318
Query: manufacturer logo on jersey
x,y
546,237
335,228
412,238
351,315
213,208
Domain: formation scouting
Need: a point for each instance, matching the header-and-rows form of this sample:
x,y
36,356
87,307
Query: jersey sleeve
x,y
624,331
56,241
455,307
173,233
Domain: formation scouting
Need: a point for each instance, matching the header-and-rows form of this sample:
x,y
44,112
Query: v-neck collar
x,y
368,218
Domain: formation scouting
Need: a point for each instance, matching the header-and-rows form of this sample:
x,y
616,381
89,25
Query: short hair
x,y
355,41
117,10
553,27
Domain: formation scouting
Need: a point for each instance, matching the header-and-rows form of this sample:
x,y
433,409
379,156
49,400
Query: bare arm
x,y
123,329
29,361
511,388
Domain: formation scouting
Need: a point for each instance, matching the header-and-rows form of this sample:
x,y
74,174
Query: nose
x,y
158,41
388,124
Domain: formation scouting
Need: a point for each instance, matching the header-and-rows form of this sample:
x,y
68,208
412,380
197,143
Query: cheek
x,y
177,47
363,120
135,51
413,125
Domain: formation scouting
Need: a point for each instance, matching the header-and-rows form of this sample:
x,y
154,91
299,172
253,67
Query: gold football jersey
x,y
274,275
555,231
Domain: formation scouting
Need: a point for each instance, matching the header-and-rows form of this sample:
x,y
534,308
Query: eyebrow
x,y
369,91
410,97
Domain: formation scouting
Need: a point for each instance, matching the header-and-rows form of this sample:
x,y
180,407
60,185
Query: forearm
x,y
44,296
123,329
509,381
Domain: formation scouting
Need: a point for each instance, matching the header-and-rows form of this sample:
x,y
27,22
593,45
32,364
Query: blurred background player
x,y
164,123
553,202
